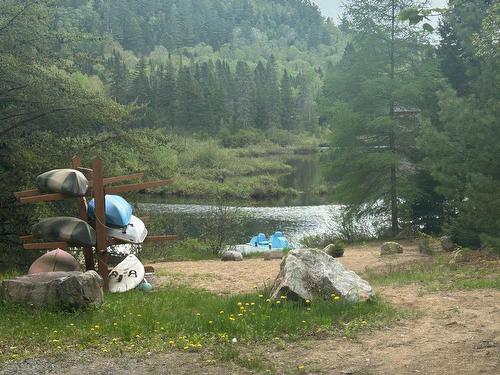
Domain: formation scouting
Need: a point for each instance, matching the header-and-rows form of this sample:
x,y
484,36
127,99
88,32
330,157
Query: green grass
x,y
473,272
180,319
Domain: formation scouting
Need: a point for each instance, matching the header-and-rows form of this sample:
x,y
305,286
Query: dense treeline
x,y
205,98
415,125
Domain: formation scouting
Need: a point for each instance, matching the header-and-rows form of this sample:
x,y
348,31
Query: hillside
x,y
201,66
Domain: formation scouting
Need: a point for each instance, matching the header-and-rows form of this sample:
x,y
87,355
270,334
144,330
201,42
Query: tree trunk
x,y
392,135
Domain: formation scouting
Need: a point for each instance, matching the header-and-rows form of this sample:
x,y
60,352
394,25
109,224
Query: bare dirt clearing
x,y
240,277
455,332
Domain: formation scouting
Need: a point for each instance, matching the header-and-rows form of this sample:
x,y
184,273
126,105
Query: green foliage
x,y
474,271
337,250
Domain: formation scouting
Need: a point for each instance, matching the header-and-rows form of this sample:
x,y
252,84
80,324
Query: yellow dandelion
x,y
252,304
71,324
186,347
307,301
278,302
336,298
198,314
268,300
221,312
283,297
303,321
239,304
210,322
300,367
240,314
261,296
247,304
171,342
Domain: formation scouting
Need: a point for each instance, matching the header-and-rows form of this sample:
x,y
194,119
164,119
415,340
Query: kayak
x,y
53,261
135,232
66,181
126,275
69,229
118,210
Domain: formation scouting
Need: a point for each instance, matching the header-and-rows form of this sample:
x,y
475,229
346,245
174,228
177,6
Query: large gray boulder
x,y
231,255
310,273
61,290
390,247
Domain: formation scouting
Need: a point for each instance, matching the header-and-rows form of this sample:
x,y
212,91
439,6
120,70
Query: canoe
x,y
66,181
53,261
126,275
69,229
118,210
135,232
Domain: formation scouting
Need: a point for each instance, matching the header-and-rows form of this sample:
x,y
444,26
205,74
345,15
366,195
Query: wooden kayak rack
x,y
99,186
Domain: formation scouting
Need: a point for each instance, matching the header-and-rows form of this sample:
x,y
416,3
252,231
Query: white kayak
x,y
126,275
135,232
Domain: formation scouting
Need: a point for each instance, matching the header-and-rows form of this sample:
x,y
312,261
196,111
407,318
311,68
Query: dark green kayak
x,y
66,181
69,229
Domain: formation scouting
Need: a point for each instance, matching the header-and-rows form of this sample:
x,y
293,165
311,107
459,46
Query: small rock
x,y
391,247
231,255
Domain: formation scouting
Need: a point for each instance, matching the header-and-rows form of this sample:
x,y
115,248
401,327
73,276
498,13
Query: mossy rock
x,y
391,247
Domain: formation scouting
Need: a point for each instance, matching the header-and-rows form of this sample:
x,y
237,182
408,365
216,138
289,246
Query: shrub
x,y
337,249
428,245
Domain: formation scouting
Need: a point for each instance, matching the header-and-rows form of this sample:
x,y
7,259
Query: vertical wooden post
x,y
82,210
100,219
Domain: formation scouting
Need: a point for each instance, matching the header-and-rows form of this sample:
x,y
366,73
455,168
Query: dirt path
x,y
455,332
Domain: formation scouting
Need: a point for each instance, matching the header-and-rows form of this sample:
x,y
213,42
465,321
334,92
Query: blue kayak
x,y
118,210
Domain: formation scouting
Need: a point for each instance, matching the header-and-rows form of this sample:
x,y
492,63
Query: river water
x,y
295,221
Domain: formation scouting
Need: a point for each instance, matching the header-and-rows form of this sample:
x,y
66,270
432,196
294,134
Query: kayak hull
x,y
69,229
66,181
53,261
127,275
118,210
135,232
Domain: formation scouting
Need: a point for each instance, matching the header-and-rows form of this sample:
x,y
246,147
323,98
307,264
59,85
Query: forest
x,y
408,110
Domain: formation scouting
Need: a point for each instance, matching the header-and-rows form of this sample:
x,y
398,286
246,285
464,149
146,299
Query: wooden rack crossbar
x,y
97,190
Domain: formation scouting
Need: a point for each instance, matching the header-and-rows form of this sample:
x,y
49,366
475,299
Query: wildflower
x,y
231,318
336,298
221,312
240,314
234,340
210,322
278,302
307,301
242,308
71,324
303,321
171,342
247,304
261,296
268,300
115,339
252,304
300,367
96,326
115,324
186,347
198,314
364,322
283,297
239,304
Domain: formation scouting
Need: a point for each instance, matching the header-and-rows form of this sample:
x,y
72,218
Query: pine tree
x,y
288,106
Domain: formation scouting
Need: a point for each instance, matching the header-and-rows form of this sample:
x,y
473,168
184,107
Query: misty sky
x,y
332,8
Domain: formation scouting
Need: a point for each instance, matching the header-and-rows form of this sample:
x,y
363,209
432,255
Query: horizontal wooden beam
x,y
113,180
45,245
43,198
27,193
135,187
28,237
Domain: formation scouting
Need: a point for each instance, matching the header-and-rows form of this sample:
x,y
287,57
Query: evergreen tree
x,y
288,104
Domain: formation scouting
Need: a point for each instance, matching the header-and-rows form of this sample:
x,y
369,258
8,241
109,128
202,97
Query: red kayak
x,y
55,260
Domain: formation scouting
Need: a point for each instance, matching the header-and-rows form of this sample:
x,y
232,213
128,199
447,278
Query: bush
x,y
428,245
337,249
238,139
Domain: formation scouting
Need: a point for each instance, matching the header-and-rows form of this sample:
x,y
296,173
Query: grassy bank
x,y
179,319
251,171
469,269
